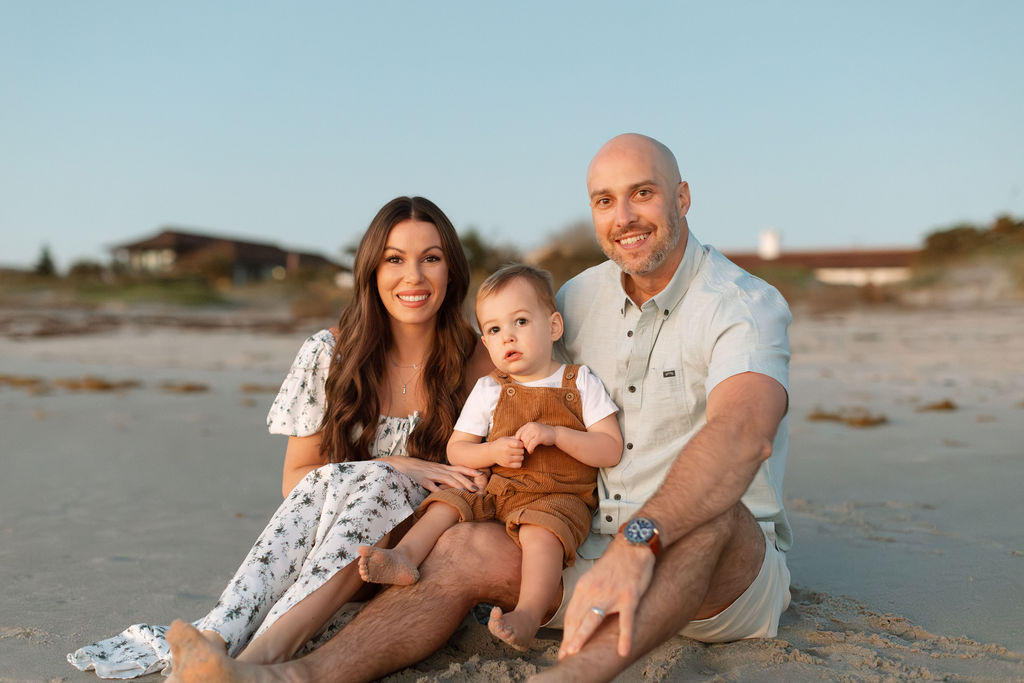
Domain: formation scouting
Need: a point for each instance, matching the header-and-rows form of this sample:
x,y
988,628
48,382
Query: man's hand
x,y
614,584
534,434
507,451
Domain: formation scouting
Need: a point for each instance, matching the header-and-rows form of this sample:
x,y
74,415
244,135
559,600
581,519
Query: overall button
x,y
632,389
629,446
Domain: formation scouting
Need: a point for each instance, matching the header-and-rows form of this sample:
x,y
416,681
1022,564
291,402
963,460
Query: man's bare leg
x,y
542,573
400,565
472,562
697,577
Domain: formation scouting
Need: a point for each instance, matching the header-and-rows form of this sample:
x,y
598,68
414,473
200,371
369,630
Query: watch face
x,y
639,530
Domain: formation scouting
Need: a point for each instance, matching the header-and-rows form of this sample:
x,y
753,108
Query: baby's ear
x,y
557,326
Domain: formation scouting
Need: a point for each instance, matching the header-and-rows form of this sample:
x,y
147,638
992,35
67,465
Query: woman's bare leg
x,y
294,628
542,574
288,634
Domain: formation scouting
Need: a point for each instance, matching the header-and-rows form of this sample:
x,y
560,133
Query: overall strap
x,y
569,376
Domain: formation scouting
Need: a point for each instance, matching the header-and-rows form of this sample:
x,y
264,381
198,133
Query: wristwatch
x,y
642,531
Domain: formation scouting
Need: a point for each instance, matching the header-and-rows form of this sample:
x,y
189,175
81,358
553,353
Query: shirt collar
x,y
667,299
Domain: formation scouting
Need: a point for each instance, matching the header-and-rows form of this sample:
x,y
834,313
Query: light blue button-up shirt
x,y
660,362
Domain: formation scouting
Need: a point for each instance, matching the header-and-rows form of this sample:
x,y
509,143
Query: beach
x,y
137,471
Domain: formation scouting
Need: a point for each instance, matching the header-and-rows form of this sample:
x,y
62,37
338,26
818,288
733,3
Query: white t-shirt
x,y
477,414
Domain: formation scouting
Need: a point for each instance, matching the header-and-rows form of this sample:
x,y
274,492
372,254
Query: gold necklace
x,y
415,374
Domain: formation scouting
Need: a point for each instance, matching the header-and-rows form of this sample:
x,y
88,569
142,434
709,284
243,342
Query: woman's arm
x,y
301,457
435,476
599,446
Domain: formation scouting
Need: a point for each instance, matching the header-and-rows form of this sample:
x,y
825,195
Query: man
x,y
691,531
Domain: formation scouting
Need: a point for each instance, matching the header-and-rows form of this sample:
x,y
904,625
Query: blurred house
x,y
857,267
177,252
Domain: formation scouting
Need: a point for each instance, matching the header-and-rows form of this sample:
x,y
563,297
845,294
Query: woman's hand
x,y
435,476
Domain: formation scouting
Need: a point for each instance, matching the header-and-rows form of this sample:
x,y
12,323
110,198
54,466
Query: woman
x,y
405,360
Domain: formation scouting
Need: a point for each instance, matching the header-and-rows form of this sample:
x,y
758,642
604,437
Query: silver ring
x,y
598,611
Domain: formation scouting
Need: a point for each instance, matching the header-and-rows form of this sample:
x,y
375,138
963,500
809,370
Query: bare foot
x,y
380,565
215,639
194,659
516,628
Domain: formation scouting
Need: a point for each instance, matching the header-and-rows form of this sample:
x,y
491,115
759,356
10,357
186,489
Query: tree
x,y
570,251
486,257
45,266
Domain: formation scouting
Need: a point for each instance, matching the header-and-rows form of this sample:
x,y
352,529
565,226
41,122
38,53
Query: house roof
x,y
183,241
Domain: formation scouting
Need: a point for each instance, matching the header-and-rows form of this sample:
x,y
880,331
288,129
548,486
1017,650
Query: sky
x,y
839,124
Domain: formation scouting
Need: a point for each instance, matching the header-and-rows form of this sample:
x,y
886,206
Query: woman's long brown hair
x,y
356,381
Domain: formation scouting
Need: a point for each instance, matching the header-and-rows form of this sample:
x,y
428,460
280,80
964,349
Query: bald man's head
x,y
663,161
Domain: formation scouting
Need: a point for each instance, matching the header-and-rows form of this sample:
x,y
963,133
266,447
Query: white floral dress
x,y
312,536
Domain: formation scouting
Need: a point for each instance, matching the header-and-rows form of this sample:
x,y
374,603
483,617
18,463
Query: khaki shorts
x,y
755,614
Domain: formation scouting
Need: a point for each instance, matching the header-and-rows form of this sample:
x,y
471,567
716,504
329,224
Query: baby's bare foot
x,y
380,565
515,628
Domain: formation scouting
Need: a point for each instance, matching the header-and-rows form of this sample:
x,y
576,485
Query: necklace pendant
x,y
403,390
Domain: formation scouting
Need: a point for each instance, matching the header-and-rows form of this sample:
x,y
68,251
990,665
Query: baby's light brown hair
x,y
538,279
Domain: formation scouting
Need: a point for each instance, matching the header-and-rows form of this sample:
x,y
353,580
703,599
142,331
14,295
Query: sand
x,y
136,503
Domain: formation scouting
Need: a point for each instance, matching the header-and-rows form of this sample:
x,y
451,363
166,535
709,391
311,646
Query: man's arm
x,y
708,477
715,468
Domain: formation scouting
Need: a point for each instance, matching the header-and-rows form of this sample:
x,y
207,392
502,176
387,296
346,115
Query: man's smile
x,y
633,240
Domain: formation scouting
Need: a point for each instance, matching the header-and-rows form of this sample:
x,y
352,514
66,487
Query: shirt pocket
x,y
667,400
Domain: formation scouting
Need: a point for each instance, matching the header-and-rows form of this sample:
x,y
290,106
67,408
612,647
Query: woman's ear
x,y
557,326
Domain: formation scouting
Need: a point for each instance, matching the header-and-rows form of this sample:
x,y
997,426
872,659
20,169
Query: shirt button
x,y
630,333
617,496
629,446
632,389
607,518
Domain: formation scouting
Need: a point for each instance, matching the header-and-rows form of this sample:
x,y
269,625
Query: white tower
x,y
769,244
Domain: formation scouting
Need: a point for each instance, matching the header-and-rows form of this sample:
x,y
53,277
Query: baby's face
x,y
518,331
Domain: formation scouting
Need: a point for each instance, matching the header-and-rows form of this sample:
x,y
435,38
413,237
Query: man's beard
x,y
659,250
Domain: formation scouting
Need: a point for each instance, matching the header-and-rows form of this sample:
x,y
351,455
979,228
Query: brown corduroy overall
x,y
552,490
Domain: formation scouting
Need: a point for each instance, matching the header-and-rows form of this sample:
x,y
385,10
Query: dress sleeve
x,y
299,406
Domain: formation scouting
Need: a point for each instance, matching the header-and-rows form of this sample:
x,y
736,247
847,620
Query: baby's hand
x,y
534,434
508,451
